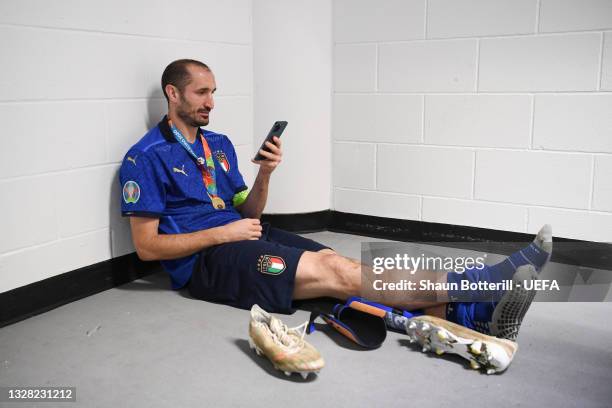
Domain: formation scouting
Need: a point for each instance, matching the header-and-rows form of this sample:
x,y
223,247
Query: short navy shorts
x,y
244,273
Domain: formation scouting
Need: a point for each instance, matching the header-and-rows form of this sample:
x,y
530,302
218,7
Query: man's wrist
x,y
217,235
265,173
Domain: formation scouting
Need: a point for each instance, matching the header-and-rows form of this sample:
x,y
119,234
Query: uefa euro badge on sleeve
x,y
131,192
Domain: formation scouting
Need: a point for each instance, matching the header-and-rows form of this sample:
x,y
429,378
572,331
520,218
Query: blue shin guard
x,y
362,328
363,321
395,319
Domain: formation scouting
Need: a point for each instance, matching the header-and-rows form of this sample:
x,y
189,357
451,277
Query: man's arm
x,y
152,246
255,202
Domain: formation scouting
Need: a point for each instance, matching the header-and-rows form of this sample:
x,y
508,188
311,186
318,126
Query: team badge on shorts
x,y
270,264
222,159
131,192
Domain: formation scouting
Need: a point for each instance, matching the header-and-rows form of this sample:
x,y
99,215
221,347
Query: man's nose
x,y
209,103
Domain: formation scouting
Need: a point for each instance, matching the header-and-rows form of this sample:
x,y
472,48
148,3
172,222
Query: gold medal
x,y
218,203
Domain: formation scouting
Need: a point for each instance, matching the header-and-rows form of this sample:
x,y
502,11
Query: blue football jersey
x,y
160,179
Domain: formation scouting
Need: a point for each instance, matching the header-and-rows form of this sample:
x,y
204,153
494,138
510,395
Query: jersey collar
x,y
164,128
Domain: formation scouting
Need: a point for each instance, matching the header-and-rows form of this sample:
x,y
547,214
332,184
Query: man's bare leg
x,y
328,274
325,273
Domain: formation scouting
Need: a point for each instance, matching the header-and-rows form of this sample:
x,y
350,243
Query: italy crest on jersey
x,y
271,264
222,159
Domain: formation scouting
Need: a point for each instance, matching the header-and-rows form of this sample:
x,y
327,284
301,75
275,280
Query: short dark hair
x,y
177,74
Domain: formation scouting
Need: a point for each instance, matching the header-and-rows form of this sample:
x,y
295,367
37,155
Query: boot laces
x,y
291,338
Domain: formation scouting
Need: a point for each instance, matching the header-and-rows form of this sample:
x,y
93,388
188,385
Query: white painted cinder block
x,y
573,122
204,20
121,238
552,179
355,68
575,15
91,65
384,20
478,120
424,170
293,65
84,200
233,117
120,232
128,121
475,213
45,137
86,81
29,212
572,224
246,168
602,194
231,64
354,165
378,118
606,73
467,18
21,268
377,204
567,62
76,64
428,66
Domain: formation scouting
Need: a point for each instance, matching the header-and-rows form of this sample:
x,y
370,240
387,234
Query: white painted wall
x,y
292,60
80,84
490,113
487,113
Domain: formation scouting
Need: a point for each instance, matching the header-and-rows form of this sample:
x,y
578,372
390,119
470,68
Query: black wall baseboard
x,y
42,296
39,297
302,223
571,252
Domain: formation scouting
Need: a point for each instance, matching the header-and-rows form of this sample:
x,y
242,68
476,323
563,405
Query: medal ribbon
x,y
208,171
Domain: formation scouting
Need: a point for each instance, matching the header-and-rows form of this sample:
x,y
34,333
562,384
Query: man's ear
x,y
172,92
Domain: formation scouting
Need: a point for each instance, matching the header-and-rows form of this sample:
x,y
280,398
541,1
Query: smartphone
x,y
277,130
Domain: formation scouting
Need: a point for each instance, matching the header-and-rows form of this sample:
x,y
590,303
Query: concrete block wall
x,y
292,71
490,113
487,113
80,85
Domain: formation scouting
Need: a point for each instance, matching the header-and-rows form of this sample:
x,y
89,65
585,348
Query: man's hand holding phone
x,y
270,153
272,157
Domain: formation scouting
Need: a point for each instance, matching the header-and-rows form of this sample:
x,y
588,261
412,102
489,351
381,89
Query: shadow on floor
x,y
417,348
266,365
158,281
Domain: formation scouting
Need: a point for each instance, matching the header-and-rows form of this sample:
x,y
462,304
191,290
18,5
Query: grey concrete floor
x,y
142,344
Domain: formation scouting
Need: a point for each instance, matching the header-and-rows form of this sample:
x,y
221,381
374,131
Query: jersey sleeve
x,y
142,188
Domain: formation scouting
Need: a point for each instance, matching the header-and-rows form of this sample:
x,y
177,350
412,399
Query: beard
x,y
190,115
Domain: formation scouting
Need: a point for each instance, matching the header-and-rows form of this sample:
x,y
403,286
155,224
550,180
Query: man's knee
x,y
346,273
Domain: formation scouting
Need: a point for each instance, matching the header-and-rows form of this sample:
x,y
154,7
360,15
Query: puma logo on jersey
x,y
181,170
133,160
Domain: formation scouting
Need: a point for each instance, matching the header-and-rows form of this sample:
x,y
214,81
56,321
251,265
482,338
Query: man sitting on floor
x,y
190,208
